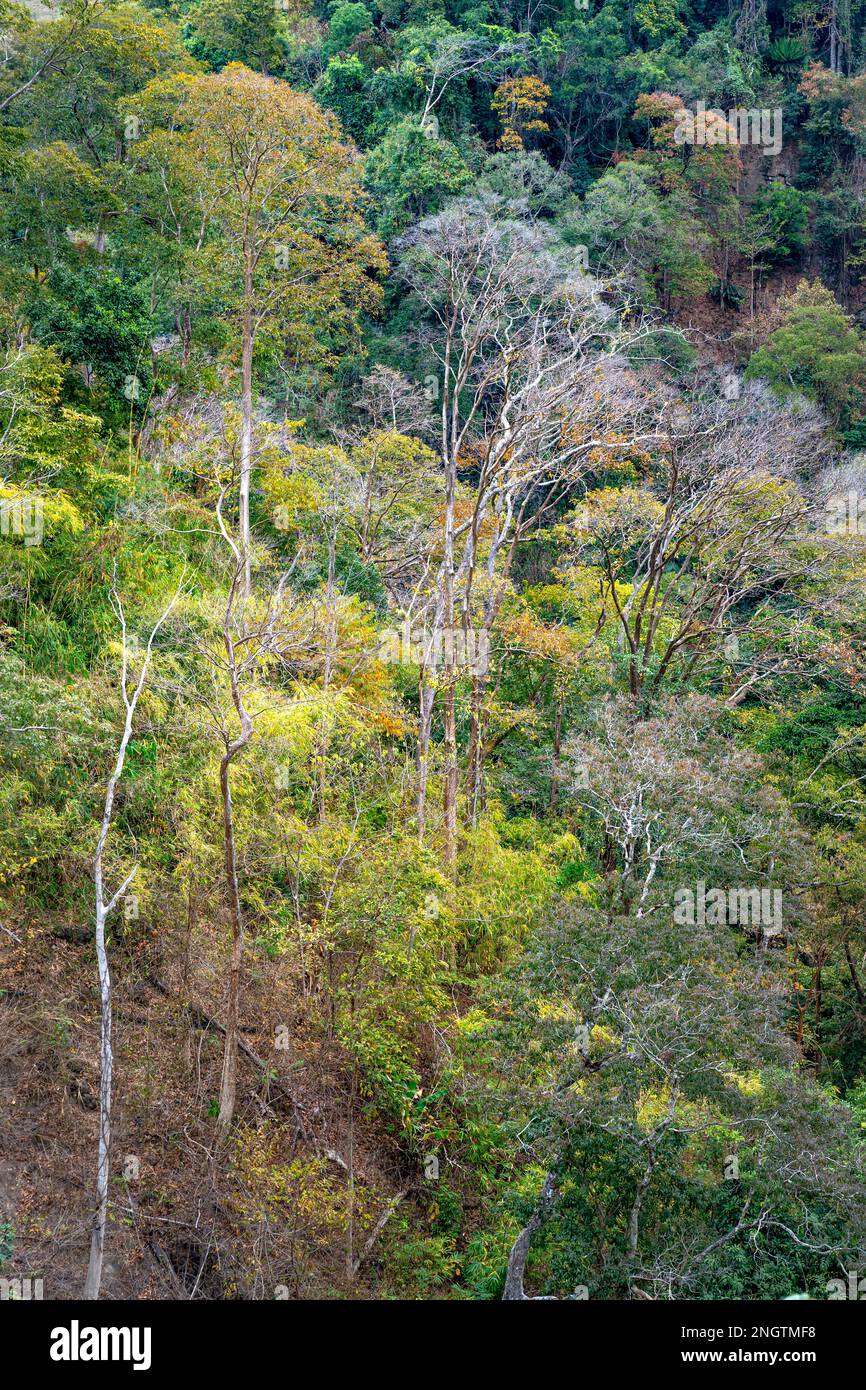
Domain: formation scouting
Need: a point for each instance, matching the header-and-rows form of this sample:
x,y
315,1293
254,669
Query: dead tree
x,y
104,910
246,641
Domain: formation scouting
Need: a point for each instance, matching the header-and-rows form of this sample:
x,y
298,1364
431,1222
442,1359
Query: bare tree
x,y
464,55
711,532
245,644
521,340
393,402
104,909
254,634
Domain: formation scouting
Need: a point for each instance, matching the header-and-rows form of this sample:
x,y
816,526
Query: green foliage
x,y
219,32
343,88
450,891
782,213
98,324
410,173
818,351
347,19
787,53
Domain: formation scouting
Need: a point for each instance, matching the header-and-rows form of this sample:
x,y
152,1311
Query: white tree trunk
x,y
97,1240
93,1281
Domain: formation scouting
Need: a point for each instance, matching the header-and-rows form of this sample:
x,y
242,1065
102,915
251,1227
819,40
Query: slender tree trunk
x,y
853,972
246,418
351,1268
479,720
834,38
330,645
228,1082
475,755
556,772
191,903
634,1214
93,1280
183,323
106,1066
426,701
449,799
449,678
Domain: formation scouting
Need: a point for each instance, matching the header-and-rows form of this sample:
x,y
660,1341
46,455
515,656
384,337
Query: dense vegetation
x,y
432,839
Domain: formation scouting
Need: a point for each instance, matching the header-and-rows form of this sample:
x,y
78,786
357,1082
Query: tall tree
x,y
266,199
104,909
518,336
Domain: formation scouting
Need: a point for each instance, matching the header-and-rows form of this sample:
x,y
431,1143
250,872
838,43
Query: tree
x,y
410,173
444,55
632,231
49,192
98,323
520,102
264,167
220,33
344,89
527,183
785,211
349,18
400,491
104,909
50,48
712,536
514,327
657,1063
105,52
253,637
816,350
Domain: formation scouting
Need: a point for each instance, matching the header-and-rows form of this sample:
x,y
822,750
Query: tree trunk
x,y
634,1214
834,38
556,772
246,420
104,909
475,755
449,796
330,647
449,803
106,1064
426,701
514,1290
183,323
228,1083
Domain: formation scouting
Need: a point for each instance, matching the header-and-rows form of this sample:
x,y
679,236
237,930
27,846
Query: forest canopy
x,y
432,676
